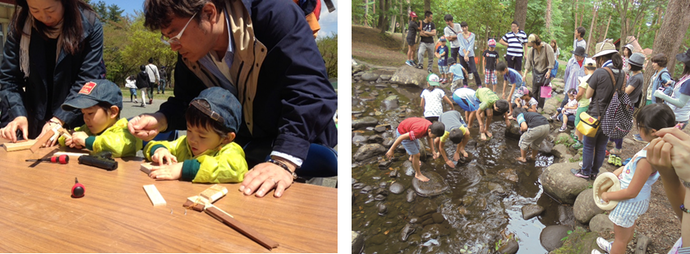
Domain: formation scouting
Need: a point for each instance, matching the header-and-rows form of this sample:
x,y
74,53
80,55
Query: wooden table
x,y
115,215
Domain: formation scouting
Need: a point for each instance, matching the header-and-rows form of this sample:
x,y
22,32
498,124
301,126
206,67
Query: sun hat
x,y
636,59
604,48
532,38
433,80
492,43
684,57
413,15
579,51
630,47
605,182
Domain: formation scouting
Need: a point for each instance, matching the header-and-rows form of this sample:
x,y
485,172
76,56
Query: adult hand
x,y
679,150
264,177
467,59
54,138
166,172
547,76
147,126
10,131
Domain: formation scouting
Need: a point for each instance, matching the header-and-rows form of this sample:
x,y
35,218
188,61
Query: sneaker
x,y
595,251
562,129
430,71
408,63
626,161
609,143
136,101
615,151
603,244
582,176
419,66
612,159
619,161
638,138
575,171
577,145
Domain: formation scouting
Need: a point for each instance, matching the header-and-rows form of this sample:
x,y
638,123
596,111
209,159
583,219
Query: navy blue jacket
x,y
69,75
294,102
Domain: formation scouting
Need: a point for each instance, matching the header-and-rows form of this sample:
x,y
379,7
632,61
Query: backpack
x,y
618,118
554,71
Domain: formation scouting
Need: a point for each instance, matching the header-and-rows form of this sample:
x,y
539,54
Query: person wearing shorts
x,y
468,102
408,133
535,127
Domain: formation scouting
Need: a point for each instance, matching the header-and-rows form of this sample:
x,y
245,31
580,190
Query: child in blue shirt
x,y
457,70
442,55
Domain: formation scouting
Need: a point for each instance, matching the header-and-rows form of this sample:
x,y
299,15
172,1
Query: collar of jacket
x,y
249,56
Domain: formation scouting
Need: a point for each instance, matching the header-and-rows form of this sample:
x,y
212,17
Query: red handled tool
x,y
77,189
62,159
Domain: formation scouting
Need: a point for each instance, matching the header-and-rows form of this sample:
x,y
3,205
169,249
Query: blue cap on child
x,y
225,108
94,92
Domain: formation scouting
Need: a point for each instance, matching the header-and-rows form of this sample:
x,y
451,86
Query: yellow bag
x,y
588,125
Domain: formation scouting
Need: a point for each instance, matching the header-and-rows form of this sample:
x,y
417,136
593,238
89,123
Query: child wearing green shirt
x,y
101,102
207,154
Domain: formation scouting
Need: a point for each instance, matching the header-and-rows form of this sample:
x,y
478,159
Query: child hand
x,y
166,172
389,154
78,140
605,197
436,155
163,156
450,163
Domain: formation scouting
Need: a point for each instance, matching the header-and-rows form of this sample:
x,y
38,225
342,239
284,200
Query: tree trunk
x,y
548,18
427,7
382,16
575,12
607,28
521,13
670,37
591,31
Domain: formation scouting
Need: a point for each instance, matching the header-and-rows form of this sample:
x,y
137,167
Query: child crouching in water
x,y
636,179
207,154
100,102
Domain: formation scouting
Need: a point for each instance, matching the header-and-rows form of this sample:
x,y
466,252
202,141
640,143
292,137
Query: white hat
x,y
589,61
605,182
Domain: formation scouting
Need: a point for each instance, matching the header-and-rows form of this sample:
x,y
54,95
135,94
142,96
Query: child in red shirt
x,y
408,132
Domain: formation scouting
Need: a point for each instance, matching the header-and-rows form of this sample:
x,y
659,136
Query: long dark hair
x,y
655,116
72,29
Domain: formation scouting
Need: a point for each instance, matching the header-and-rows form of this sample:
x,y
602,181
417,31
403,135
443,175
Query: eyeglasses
x,y
176,39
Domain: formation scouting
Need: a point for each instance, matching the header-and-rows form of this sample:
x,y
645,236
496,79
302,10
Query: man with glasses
x,y
264,53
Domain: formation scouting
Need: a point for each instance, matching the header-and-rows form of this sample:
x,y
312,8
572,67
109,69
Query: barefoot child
x,y
207,154
408,133
433,98
459,73
535,128
514,79
636,179
457,132
481,104
101,102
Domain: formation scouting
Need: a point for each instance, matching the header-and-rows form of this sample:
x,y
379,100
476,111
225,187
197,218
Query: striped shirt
x,y
515,42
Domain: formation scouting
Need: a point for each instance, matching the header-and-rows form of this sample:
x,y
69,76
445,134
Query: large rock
x,y
390,103
551,236
396,188
600,223
385,77
364,122
513,131
370,76
584,207
531,210
559,150
545,146
558,181
642,243
357,242
408,75
509,247
357,67
435,186
359,139
368,151
564,138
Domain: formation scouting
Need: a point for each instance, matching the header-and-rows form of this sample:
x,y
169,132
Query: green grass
x,y
168,93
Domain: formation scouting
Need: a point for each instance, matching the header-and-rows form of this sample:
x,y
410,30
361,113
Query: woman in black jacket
x,y
53,48
143,84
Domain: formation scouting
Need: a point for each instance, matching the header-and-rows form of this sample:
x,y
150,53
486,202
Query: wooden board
x,y
155,196
22,145
146,168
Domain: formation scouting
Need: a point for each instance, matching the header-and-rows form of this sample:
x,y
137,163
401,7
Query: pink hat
x,y
492,43
413,15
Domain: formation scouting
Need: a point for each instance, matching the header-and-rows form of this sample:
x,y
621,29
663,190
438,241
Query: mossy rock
x,y
564,138
580,241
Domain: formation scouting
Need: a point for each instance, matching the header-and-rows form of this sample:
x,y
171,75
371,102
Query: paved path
x,y
131,109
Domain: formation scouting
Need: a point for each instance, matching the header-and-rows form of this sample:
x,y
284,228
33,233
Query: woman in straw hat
x,y
600,90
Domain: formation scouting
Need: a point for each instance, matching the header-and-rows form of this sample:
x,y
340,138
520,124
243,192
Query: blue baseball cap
x,y
94,92
224,107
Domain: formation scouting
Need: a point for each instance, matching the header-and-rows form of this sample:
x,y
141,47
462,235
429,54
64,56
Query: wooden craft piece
x,y
42,140
244,229
155,196
146,168
206,197
22,145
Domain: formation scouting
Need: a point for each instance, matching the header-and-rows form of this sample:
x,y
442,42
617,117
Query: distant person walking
x,y
467,53
427,42
131,83
143,84
412,29
451,32
515,41
154,77
162,81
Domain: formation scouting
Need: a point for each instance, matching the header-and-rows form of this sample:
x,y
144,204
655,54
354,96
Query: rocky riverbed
x,y
488,203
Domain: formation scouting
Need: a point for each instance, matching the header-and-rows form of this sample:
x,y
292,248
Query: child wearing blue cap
x,y
207,154
101,102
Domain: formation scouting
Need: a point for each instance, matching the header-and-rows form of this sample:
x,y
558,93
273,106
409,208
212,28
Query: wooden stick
x,y
155,196
240,227
22,145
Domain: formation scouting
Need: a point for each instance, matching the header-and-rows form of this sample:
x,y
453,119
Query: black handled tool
x,y
102,160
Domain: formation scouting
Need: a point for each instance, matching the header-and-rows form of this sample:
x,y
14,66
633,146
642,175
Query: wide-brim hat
x,y
579,51
684,57
605,182
433,80
604,48
636,59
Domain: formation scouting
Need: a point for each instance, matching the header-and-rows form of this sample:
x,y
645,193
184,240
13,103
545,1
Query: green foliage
x,y
106,12
328,46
